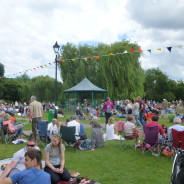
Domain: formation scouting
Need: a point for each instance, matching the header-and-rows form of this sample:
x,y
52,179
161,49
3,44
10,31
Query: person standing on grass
x,y
108,108
32,174
142,110
55,160
35,113
135,111
17,163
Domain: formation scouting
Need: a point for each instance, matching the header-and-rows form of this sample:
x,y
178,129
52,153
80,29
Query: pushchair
x,y
177,176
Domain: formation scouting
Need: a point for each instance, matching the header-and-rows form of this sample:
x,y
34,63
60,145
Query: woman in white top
x,y
111,130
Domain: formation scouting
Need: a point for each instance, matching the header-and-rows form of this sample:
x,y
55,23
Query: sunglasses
x,y
30,145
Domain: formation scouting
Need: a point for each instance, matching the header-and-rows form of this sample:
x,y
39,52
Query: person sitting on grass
x,y
52,128
17,163
111,130
154,122
79,113
2,114
33,173
177,126
97,135
131,131
14,122
11,128
55,160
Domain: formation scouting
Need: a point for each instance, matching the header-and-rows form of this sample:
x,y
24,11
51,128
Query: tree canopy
x,y
121,75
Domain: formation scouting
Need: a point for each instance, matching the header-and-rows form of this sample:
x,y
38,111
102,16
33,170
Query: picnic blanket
x,y
72,180
79,180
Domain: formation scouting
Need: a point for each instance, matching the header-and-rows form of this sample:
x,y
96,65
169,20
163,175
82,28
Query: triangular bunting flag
x,y
49,63
149,50
91,57
97,57
72,59
111,54
169,49
125,52
140,50
45,65
63,60
104,57
159,49
118,53
132,50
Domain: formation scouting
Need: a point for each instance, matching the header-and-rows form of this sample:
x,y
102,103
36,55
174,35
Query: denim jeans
x,y
142,120
137,120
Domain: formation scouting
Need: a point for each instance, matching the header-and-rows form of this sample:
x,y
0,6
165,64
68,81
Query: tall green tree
x,y
1,70
121,75
158,86
11,90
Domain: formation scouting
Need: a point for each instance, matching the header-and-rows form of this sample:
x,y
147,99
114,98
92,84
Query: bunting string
x,y
130,51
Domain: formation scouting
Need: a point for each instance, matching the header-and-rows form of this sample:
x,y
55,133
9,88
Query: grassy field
x,y
110,165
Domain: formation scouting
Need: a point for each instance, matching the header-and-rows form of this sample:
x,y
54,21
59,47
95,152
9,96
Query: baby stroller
x,y
178,166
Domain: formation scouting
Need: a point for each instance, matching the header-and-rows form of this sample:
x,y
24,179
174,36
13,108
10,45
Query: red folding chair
x,y
178,136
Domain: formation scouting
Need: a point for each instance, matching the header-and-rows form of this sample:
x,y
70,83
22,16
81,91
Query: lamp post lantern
x,y
56,50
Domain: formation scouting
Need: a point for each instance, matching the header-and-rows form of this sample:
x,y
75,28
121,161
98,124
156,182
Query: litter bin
x,y
50,115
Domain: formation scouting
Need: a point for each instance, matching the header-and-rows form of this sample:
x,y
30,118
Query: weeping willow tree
x,y
120,74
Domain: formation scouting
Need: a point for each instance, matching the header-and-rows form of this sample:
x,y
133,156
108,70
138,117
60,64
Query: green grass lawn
x,y
110,165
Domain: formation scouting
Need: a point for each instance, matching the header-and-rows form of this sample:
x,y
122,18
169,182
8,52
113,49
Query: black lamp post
x,y
56,50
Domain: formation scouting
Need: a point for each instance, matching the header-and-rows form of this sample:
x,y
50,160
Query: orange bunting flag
x,y
62,60
159,49
140,50
132,50
91,57
97,57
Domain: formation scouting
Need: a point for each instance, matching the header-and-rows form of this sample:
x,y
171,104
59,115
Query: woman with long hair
x,y
55,160
97,140
111,130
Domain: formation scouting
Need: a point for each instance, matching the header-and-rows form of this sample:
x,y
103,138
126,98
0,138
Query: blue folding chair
x,y
42,136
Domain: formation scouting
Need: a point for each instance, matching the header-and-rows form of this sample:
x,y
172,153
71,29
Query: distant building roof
x,y
85,85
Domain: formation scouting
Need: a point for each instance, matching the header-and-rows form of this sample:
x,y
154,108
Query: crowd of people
x,y
27,161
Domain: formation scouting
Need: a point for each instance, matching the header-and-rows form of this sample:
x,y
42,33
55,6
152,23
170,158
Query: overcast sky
x,y
30,28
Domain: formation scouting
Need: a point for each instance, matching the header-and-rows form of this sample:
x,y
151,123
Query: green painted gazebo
x,y
85,86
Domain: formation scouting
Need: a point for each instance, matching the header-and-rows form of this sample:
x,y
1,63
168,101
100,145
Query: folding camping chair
x,y
6,135
124,142
150,143
178,136
42,137
69,138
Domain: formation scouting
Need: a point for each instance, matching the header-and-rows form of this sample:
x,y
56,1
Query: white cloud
x,y
29,30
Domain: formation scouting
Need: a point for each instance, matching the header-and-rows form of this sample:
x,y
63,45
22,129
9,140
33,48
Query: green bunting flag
x,y
149,50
